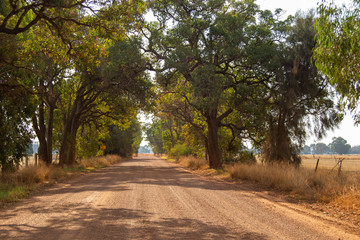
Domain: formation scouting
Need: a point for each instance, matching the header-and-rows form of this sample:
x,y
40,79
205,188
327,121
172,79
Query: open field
x,y
350,162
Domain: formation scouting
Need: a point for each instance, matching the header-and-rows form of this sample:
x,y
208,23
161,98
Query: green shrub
x,y
242,157
179,150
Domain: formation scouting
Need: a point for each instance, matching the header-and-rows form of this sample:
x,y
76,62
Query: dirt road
x,y
149,198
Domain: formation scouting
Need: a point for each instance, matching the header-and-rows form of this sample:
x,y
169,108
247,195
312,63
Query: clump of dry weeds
x,y
98,162
193,163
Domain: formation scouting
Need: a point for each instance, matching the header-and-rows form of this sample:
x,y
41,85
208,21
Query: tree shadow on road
x,y
78,222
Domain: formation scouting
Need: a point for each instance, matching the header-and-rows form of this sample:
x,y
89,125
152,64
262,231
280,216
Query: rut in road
x,y
149,198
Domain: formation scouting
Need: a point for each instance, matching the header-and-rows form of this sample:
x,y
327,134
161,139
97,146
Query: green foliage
x,y
88,142
306,150
210,59
299,95
242,157
321,148
339,145
337,53
18,16
355,149
123,142
15,110
81,68
179,150
154,137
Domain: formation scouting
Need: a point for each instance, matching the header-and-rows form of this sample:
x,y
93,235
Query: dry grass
x,y
99,162
19,184
323,186
348,200
193,163
350,163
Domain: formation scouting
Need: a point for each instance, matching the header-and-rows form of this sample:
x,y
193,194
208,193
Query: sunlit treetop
x,y
17,16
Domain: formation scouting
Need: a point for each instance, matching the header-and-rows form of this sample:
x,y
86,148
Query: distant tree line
x,y
338,146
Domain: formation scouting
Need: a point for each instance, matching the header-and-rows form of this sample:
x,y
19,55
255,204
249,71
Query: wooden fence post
x,y
36,159
317,164
26,160
339,170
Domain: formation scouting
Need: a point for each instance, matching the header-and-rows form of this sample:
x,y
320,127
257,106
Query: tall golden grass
x,y
19,184
98,162
304,183
322,186
350,162
193,163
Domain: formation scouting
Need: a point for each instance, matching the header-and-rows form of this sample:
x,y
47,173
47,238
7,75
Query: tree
x,y
154,137
51,42
355,149
208,51
339,145
337,52
45,58
15,112
124,142
145,149
115,89
18,16
306,150
299,94
89,139
321,148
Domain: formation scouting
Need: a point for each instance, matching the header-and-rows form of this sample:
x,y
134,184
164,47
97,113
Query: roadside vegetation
x,y
19,184
225,74
303,183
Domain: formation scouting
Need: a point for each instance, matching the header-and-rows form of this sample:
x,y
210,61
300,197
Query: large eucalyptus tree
x,y
208,53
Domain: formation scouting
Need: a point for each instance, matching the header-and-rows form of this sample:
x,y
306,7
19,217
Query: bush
x,y
179,150
33,174
242,157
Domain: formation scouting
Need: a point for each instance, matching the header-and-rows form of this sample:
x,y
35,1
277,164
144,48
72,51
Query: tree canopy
x,y
227,74
337,53
339,145
77,65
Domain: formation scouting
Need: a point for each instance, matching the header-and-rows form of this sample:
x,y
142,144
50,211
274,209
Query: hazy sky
x,y
291,6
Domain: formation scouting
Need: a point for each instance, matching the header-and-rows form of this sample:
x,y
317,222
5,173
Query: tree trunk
x,y
279,138
213,144
68,141
68,144
40,130
49,134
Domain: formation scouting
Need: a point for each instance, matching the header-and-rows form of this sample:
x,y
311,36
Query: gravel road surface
x,y
150,198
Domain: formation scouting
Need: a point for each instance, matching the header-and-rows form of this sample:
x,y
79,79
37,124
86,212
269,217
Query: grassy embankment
x,y
324,186
14,186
